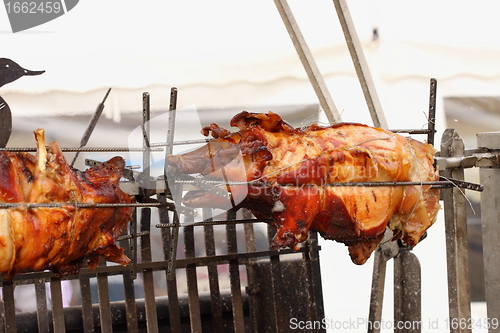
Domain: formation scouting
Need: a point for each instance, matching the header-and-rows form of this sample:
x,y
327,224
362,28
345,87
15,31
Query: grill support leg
x,y
456,237
407,292
490,203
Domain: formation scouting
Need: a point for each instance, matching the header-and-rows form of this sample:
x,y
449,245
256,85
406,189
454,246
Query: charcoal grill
x,y
250,288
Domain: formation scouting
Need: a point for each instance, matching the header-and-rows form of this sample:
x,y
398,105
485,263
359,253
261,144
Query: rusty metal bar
x,y
42,311
307,59
456,237
147,274
213,276
490,219
174,235
57,305
360,64
86,296
171,123
234,276
431,121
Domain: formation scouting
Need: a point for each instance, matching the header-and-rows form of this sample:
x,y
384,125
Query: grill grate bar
x,y
149,289
277,290
173,298
252,288
312,265
192,281
234,275
9,307
213,279
104,300
41,306
86,295
57,305
130,303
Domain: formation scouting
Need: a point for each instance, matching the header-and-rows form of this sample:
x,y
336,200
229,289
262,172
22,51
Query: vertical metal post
x,y
104,300
360,64
57,305
9,307
170,237
407,293
234,276
146,155
490,216
213,278
431,126
307,59
277,286
174,235
456,237
383,254
252,289
147,275
191,279
42,312
128,286
312,268
86,295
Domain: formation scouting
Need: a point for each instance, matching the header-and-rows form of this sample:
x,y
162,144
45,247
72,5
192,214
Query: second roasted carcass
x,y
60,237
299,171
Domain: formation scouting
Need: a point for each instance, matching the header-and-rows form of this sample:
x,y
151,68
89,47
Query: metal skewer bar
x,y
206,140
82,149
438,183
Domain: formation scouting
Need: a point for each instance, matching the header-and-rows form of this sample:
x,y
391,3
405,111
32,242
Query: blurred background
x,y
228,56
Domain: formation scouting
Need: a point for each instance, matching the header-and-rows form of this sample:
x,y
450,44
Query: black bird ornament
x,y
9,72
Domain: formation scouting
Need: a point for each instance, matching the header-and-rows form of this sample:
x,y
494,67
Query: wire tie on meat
x,y
450,181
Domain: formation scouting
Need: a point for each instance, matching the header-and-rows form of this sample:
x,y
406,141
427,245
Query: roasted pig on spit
x,y
64,237
299,171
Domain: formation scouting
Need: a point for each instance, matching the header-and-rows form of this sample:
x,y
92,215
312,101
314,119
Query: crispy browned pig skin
x,y
296,165
63,238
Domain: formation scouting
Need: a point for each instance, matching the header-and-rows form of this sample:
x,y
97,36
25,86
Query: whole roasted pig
x,y
300,172
63,238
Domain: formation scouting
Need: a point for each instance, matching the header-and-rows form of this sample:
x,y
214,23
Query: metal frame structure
x,y
407,303
281,284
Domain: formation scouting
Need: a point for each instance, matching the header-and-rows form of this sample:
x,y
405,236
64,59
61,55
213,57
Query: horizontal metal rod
x,y
125,237
242,258
207,223
205,140
184,142
6,205
82,149
440,183
411,131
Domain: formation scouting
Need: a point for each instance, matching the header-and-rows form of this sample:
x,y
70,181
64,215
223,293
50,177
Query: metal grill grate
x,y
185,275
